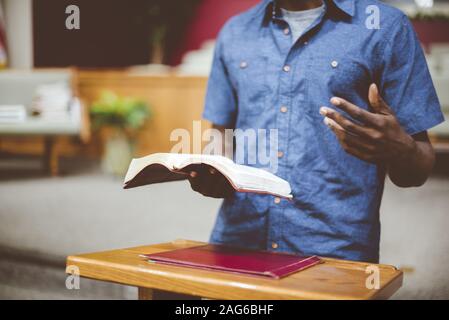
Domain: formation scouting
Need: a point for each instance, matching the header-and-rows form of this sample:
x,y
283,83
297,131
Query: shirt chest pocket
x,y
248,74
338,76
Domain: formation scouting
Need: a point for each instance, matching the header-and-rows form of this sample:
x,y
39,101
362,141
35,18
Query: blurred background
x,y
77,104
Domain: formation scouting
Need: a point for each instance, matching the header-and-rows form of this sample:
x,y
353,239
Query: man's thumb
x,y
378,105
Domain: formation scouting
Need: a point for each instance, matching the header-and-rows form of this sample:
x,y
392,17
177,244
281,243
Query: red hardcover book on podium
x,y
237,260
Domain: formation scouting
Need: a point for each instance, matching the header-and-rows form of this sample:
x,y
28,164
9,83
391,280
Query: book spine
x,y
295,267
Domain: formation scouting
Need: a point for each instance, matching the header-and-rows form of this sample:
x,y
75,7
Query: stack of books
x,y
12,113
52,101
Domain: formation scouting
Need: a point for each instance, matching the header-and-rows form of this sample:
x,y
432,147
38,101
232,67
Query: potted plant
x,y
119,119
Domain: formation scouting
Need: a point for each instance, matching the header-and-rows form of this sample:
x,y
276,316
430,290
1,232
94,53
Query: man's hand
x,y
210,183
377,137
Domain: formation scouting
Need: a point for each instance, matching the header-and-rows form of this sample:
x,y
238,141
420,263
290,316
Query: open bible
x,y
164,167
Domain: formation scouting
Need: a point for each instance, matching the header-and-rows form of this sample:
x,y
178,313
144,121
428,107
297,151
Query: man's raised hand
x,y
374,136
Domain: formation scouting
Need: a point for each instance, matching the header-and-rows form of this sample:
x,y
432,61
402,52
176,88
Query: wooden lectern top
x,y
332,279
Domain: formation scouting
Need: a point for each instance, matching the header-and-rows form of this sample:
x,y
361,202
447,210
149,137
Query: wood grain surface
x,y
333,279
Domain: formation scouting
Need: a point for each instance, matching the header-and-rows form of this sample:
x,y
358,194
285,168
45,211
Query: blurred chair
x,y
439,48
21,88
441,83
438,61
198,62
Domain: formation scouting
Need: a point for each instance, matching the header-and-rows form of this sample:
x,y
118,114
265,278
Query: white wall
x,y
19,32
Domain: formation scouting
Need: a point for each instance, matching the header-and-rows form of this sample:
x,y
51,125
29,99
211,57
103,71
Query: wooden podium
x,y
332,279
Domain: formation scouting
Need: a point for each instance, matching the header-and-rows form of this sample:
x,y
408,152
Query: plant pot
x,y
117,154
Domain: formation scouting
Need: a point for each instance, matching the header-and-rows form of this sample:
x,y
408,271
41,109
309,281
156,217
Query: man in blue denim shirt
x,y
369,82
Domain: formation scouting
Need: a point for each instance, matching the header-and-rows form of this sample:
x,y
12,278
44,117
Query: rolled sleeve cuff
x,y
425,123
220,119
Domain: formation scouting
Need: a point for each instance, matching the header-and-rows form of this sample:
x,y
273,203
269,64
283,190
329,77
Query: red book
x,y
237,260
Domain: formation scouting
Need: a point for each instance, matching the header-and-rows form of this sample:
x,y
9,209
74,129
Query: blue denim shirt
x,y
335,210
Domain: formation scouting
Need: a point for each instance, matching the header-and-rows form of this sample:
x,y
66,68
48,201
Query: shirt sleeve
x,y
406,84
221,99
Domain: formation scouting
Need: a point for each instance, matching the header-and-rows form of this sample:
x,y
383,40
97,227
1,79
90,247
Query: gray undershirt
x,y
299,21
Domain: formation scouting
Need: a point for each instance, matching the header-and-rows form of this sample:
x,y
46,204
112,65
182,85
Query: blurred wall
x,y
207,22
212,14
204,25
432,32
112,34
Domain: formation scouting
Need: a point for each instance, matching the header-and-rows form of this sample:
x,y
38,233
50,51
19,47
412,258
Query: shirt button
x,y
280,154
284,109
286,68
334,64
277,200
274,245
286,31
243,64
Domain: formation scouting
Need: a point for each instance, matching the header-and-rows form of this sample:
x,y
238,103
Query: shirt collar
x,y
347,6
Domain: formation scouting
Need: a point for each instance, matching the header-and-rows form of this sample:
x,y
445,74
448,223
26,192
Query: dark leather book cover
x,y
237,260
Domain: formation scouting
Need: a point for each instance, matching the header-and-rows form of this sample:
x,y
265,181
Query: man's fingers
x,y
354,111
222,188
344,122
359,143
195,181
336,128
376,102
193,174
361,155
332,124
210,183
354,145
199,179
